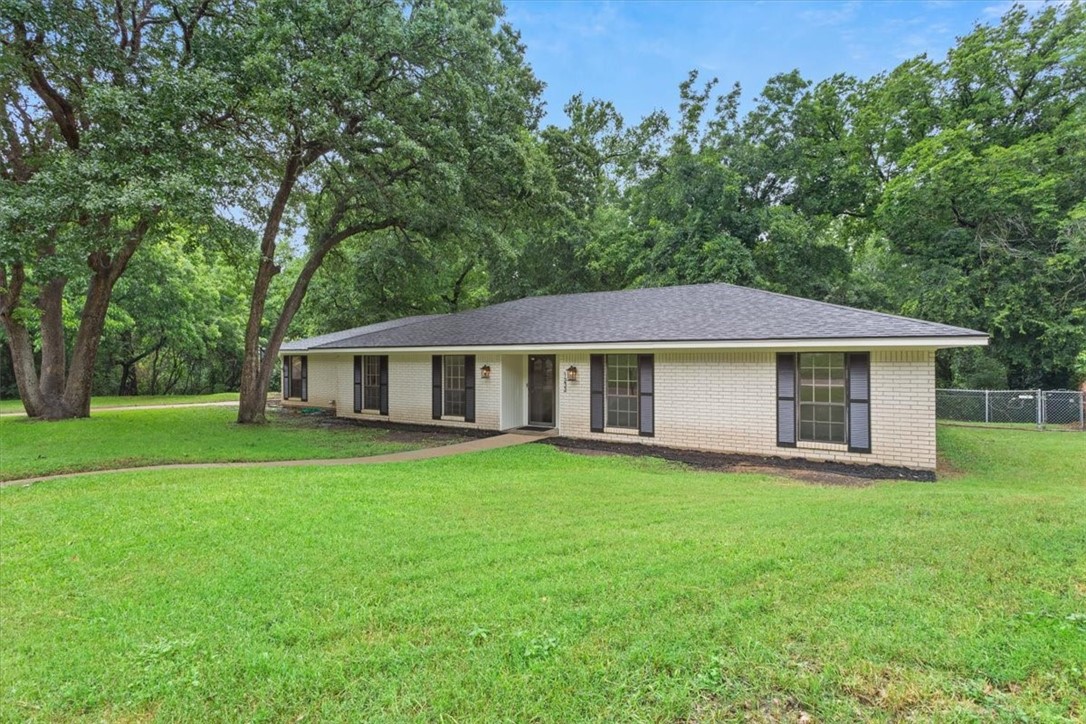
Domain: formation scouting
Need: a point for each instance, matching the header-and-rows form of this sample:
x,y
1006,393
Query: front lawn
x,y
529,583
120,438
16,405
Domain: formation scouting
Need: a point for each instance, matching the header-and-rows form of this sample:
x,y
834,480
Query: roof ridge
x,y
719,284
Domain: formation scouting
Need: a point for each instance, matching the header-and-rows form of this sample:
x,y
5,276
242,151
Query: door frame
x,y
554,392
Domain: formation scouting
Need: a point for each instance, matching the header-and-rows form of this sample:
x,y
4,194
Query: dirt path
x,y
460,448
170,406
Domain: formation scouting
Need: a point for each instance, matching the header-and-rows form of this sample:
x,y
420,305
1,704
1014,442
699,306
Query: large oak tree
x,y
368,117
105,108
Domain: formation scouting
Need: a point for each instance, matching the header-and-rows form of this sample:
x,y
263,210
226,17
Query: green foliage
x,y
550,586
949,189
176,321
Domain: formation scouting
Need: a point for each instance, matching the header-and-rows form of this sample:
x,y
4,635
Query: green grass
x,y
16,406
529,583
124,438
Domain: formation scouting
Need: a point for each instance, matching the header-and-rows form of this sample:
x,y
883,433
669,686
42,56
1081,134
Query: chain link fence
x,y
1043,409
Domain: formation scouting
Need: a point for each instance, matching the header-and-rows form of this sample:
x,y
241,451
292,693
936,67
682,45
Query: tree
x,y
987,209
105,108
365,117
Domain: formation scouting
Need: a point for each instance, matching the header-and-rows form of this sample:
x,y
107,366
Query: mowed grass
x,y
533,584
16,406
126,438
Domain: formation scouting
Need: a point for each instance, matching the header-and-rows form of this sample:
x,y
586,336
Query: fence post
x,y
1081,410
987,394
1040,411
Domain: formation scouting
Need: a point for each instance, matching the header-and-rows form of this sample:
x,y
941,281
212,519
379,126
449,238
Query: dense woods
x,y
184,185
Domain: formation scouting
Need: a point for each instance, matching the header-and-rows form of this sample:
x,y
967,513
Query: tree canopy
x,y
186,185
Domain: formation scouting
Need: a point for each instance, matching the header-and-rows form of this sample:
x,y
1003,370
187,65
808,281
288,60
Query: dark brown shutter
x,y
305,378
645,396
383,389
786,399
436,402
859,402
597,381
469,388
285,389
358,383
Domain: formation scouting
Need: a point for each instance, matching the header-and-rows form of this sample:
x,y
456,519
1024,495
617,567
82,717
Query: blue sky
x,y
636,53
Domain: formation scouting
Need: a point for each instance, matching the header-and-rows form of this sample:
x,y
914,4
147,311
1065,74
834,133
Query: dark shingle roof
x,y
696,313
331,337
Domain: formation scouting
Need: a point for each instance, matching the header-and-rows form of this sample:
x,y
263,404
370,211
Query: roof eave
x,y
836,343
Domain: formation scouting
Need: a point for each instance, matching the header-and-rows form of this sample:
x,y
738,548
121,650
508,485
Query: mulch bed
x,y
814,471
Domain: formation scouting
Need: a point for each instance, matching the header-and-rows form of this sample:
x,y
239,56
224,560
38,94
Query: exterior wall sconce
x,y
571,374
484,372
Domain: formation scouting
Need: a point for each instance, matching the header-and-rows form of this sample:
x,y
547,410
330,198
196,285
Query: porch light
x,y
485,372
571,374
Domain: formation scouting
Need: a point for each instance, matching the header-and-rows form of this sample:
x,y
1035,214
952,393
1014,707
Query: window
x,y
822,401
455,397
371,383
295,376
622,390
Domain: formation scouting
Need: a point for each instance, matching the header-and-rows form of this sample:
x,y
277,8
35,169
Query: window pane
x,y
455,397
822,410
622,390
296,376
371,383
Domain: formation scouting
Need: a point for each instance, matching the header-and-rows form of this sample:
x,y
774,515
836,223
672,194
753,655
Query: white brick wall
x,y
716,401
331,385
323,373
726,402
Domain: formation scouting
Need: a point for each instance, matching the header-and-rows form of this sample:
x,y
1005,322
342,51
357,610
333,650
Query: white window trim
x,y
631,431
444,388
371,410
635,429
820,444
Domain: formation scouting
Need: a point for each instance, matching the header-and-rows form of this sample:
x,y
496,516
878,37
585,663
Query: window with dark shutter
x,y
285,387
786,399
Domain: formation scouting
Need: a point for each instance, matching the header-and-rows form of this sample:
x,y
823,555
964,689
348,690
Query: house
x,y
711,367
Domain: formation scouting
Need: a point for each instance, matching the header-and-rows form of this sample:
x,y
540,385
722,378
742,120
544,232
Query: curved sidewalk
x,y
478,445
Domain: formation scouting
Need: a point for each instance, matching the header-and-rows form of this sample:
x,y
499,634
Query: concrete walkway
x,y
169,406
460,448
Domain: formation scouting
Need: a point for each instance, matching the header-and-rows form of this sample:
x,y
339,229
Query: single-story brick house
x,y
711,367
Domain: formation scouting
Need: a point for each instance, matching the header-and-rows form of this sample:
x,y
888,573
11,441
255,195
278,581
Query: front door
x,y
541,390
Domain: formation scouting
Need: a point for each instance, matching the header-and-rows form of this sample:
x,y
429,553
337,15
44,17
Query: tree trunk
x,y
59,393
253,390
260,367
253,397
